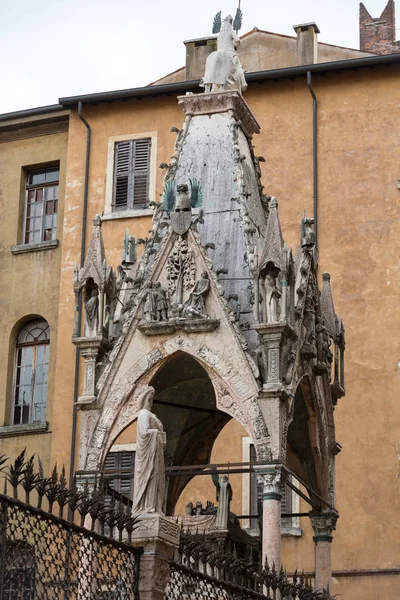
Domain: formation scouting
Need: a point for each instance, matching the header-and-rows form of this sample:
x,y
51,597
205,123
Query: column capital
x,y
323,524
271,478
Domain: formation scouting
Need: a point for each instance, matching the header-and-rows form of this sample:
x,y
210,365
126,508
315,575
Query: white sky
x,y
55,48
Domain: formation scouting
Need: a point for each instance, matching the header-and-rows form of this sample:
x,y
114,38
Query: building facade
x,y
45,178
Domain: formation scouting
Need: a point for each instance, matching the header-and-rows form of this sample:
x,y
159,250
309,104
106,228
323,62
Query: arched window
x,y
31,373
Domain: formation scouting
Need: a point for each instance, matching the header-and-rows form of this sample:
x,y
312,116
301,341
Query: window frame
x,y
109,212
27,188
131,175
17,347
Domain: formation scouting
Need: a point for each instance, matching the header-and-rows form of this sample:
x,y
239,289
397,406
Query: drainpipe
x,y
315,153
83,250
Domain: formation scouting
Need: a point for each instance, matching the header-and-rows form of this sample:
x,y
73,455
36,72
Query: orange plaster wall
x,y
359,213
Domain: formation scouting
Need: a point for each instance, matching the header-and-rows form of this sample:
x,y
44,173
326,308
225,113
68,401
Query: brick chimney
x,y
307,43
378,35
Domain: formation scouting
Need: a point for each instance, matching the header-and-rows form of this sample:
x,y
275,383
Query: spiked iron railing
x,y
60,543
200,573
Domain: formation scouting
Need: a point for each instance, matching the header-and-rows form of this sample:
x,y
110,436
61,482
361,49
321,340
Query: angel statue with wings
x,y
223,68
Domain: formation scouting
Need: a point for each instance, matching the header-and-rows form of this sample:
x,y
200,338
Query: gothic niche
x,y
271,294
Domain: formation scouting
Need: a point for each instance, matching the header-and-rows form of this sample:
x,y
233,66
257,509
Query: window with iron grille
x,y
41,204
31,373
131,174
119,469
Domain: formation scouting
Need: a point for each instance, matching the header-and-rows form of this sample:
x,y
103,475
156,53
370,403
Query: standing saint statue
x,y
272,298
92,314
223,68
149,308
149,476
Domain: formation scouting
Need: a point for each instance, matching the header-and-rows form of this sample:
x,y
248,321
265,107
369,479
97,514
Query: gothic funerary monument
x,y
218,306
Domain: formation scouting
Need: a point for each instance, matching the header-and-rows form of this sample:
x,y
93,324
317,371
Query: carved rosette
x,y
323,524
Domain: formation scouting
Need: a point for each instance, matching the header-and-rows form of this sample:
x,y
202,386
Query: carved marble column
x,y
89,349
270,478
323,524
159,536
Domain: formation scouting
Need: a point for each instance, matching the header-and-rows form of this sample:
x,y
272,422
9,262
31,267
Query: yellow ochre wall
x,y
29,282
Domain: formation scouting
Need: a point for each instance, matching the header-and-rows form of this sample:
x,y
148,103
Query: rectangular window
x,y
119,469
41,202
131,174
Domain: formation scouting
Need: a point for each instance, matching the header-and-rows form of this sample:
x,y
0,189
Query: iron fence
x,y
47,556
200,573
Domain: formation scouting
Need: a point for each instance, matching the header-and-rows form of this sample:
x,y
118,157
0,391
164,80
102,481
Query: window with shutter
x,y
119,470
131,174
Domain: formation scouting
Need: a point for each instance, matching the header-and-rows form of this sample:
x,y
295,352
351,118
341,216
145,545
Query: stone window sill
x,y
26,429
22,248
127,214
292,532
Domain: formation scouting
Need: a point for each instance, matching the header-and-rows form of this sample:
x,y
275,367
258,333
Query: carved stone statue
x,y
162,303
272,298
223,68
307,232
309,347
149,481
129,255
150,303
224,498
194,306
92,314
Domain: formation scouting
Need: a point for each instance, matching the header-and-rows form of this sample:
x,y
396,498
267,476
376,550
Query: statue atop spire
x,y
223,69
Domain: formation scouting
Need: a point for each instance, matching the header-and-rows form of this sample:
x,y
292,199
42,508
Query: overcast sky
x,y
55,48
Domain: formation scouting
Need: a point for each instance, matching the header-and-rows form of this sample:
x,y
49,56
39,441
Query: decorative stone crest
x,y
181,216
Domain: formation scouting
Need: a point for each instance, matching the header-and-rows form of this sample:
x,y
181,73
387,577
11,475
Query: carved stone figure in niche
x,y
309,346
272,296
92,314
194,306
307,232
150,303
324,353
149,459
162,304
322,343
223,68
